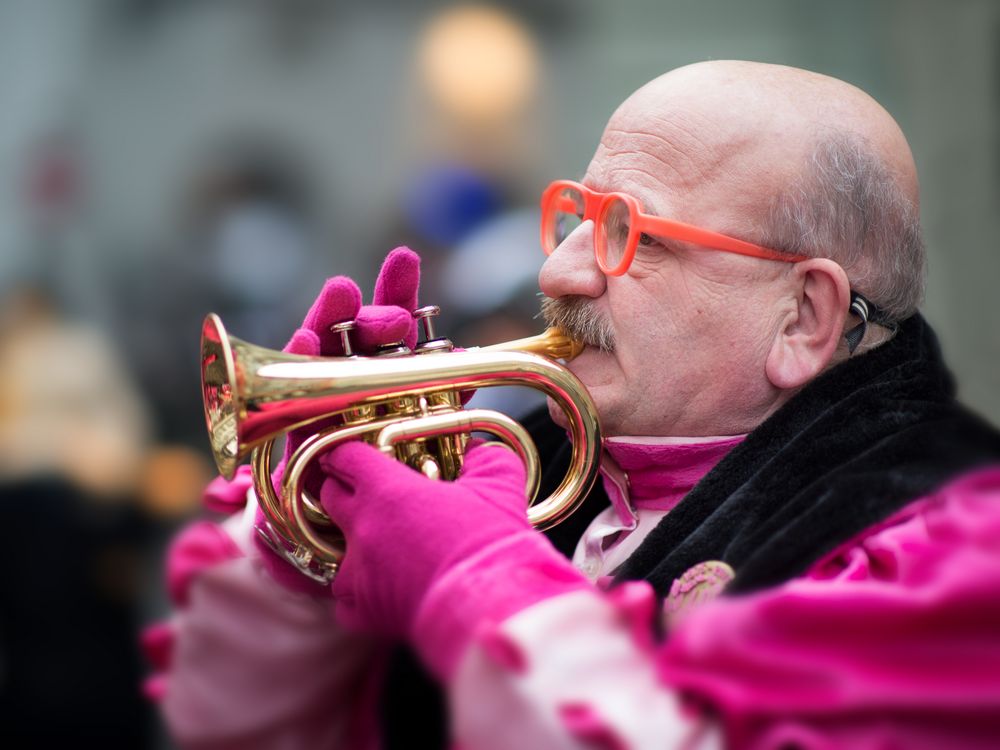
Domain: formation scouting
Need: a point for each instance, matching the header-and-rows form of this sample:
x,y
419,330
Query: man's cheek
x,y
557,414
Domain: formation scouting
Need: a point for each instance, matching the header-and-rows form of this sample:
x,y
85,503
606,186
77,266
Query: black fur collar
x,y
851,448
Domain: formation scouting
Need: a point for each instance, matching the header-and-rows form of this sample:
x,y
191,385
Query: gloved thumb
x,y
383,324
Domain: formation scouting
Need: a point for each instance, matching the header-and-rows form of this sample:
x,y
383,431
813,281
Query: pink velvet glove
x,y
388,319
435,561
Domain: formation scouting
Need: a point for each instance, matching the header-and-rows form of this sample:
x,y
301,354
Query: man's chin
x,y
590,365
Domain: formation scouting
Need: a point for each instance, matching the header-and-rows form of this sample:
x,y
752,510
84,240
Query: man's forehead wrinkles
x,y
636,173
673,135
610,161
652,142
683,131
691,161
649,184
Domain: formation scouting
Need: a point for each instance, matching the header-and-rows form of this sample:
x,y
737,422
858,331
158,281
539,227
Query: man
x,y
803,553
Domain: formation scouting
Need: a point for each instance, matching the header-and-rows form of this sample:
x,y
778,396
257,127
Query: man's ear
x,y
809,334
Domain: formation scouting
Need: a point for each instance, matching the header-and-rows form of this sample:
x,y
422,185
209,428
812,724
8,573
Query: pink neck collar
x,y
661,471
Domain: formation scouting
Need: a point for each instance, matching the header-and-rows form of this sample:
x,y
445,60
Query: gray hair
x,y
846,206
578,317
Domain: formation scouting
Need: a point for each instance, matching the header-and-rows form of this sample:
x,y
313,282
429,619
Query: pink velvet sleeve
x,y
247,663
893,641
257,666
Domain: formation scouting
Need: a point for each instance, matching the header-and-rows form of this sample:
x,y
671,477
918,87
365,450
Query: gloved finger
x,y
154,687
397,285
493,461
295,438
467,394
340,502
339,300
303,341
357,462
398,280
201,545
383,324
493,470
157,643
228,496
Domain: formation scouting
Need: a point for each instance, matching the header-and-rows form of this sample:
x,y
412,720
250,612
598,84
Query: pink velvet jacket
x,y
891,641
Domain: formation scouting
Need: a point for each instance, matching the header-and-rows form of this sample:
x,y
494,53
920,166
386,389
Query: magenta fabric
x,y
389,318
199,546
406,534
661,474
892,641
157,641
258,667
586,725
228,496
484,589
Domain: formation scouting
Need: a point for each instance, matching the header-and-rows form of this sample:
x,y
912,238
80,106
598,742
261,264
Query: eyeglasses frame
x,y
596,206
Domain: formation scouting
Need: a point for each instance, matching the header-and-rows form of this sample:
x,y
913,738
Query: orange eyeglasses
x,y
619,223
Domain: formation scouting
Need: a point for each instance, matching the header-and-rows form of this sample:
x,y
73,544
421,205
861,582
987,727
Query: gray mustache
x,y
578,317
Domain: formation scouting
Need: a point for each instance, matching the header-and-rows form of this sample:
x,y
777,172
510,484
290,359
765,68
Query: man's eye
x,y
647,241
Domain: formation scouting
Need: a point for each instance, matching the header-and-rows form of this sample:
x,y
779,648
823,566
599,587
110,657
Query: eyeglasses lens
x,y
566,210
612,234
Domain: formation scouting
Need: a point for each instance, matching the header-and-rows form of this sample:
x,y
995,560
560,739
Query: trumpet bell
x,y
219,395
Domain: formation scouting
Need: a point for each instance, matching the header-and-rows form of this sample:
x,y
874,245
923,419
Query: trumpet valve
x,y
432,342
393,349
344,329
429,467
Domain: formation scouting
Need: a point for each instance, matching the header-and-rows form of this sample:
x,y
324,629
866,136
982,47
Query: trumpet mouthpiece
x,y
552,343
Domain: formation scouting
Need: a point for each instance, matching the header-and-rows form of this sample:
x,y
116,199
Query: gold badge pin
x,y
699,584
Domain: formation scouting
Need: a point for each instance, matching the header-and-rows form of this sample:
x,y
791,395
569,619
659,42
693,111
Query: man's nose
x,y
572,267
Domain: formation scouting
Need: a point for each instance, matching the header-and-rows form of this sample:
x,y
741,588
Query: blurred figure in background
x,y
254,228
74,440
246,251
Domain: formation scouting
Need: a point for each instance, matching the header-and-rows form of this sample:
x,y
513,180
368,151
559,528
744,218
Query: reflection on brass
x,y
408,406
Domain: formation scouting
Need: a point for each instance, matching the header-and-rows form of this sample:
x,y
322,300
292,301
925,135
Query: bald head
x,y
814,164
775,109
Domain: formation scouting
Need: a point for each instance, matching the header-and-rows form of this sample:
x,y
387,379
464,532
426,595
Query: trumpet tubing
x,y
407,406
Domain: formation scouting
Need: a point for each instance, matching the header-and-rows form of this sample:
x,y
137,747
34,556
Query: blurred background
x,y
163,158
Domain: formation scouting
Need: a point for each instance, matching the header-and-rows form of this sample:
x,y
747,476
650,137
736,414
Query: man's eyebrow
x,y
648,202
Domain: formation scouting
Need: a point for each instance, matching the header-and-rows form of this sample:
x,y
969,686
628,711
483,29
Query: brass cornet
x,y
406,403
